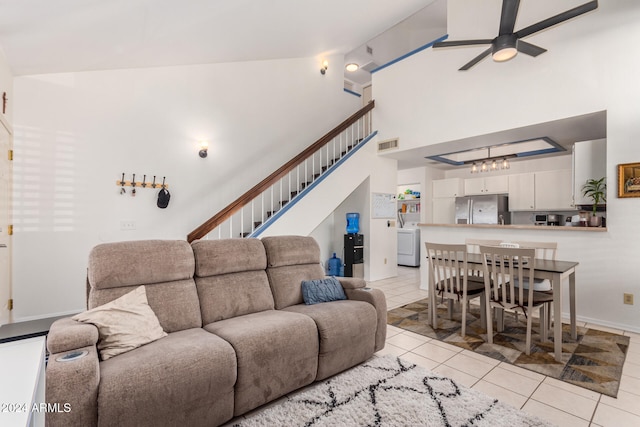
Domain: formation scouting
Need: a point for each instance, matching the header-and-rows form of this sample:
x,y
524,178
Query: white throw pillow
x,y
124,323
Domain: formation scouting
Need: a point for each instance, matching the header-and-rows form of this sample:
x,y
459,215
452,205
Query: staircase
x,y
253,212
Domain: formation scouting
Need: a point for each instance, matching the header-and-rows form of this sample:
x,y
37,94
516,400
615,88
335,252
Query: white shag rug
x,y
388,391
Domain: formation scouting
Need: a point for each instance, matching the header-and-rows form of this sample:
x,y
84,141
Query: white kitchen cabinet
x,y
589,162
553,190
450,187
521,192
444,210
486,185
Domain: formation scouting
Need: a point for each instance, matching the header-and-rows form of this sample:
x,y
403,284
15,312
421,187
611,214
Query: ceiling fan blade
x,y
549,22
530,49
508,17
475,60
462,43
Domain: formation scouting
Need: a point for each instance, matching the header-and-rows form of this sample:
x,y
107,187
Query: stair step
x,y
257,224
245,234
270,213
284,202
294,194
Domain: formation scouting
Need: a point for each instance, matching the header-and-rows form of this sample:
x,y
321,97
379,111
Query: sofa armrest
x,y
376,298
67,334
72,384
352,282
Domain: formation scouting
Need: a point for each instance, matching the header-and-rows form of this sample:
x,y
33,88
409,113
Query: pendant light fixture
x,y
490,163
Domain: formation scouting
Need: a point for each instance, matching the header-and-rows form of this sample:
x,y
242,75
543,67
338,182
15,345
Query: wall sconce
x,y
204,147
323,68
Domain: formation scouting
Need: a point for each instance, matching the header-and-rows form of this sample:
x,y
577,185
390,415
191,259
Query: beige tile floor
x,y
555,401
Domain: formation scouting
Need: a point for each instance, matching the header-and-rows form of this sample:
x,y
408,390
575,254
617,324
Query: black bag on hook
x,y
163,198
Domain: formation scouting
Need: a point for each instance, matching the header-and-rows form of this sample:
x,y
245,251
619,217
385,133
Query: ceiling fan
x,y
508,43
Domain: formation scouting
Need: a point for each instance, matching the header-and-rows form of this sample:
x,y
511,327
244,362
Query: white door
x,y
5,220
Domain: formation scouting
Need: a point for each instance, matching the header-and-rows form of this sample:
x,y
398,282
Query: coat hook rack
x,y
122,183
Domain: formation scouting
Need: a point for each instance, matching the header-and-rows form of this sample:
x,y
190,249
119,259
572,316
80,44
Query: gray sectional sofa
x,y
239,334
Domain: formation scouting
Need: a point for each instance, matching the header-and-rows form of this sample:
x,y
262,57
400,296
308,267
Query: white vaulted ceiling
x,y
49,36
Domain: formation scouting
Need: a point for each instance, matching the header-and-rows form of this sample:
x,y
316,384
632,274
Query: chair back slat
x,y
447,267
502,265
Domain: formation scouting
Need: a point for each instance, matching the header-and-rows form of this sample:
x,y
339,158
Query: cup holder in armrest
x,y
74,355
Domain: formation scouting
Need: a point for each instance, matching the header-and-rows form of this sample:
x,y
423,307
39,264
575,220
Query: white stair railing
x,y
254,211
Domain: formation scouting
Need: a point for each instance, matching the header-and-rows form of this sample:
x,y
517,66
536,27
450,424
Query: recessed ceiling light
x,y
351,67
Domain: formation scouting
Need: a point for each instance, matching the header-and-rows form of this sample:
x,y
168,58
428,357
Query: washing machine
x,y
409,247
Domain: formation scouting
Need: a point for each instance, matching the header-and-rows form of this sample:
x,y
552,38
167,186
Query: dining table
x,y
556,272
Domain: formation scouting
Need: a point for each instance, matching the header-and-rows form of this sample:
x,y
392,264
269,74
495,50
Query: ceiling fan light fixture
x,y
351,67
504,47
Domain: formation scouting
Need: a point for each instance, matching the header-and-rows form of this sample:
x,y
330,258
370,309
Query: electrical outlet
x,y
127,225
628,299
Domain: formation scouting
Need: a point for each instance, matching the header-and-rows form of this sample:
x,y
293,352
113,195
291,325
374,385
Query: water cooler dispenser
x,y
354,255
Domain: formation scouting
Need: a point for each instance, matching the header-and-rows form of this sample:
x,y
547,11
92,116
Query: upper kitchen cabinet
x,y
541,191
450,187
553,190
486,185
589,162
521,192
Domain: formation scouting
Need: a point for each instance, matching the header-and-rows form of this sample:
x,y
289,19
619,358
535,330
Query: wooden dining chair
x,y
544,250
449,276
473,247
504,267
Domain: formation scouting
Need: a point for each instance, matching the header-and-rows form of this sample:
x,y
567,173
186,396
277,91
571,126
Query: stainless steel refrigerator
x,y
489,209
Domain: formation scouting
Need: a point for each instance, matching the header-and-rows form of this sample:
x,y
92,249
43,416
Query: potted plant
x,y
596,190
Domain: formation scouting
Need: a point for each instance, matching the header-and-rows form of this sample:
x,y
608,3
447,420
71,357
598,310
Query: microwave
x,y
540,219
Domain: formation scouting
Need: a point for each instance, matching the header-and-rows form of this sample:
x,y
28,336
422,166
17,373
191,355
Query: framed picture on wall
x,y
629,180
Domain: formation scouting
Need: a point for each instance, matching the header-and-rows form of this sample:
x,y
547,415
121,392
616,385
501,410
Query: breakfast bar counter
x,y
519,227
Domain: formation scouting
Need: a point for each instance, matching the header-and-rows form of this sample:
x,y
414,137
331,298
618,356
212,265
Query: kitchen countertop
x,y
519,227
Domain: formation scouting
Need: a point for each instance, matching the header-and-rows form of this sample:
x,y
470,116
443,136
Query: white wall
x,y
76,133
424,100
6,85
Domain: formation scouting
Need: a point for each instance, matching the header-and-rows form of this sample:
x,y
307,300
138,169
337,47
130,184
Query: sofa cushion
x,y
291,260
123,324
114,265
285,282
166,269
175,303
214,257
277,353
347,331
291,250
186,376
235,294
230,278
322,290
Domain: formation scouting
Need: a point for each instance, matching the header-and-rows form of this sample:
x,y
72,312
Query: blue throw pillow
x,y
322,290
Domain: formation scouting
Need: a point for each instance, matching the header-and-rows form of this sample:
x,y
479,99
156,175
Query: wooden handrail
x,y
241,201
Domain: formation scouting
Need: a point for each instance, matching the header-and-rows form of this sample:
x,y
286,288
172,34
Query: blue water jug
x,y
334,265
353,223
